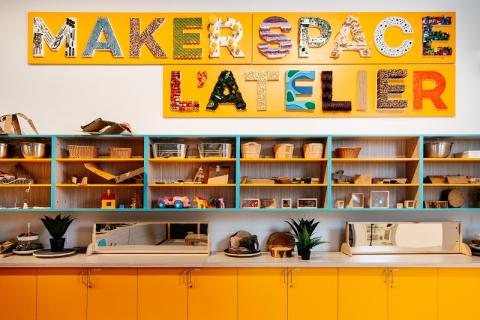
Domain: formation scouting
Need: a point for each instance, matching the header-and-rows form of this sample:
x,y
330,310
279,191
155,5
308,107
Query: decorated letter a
x,y
226,91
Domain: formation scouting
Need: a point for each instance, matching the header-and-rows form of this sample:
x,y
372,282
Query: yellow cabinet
x,y
112,294
312,293
456,287
262,294
362,294
412,294
61,292
18,294
162,294
212,294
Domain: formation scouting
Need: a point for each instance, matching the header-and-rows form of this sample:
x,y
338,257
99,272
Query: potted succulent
x,y
304,230
57,227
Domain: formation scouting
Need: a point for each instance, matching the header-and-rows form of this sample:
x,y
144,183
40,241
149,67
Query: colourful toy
x,y
216,203
201,202
108,200
176,202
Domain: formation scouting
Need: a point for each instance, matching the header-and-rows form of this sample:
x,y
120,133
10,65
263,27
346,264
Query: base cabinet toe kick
x,y
238,293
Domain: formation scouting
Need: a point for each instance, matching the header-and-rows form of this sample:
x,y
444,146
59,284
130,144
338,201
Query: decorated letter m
x,y
42,34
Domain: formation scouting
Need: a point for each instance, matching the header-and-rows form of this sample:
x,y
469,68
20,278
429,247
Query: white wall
x,y
134,93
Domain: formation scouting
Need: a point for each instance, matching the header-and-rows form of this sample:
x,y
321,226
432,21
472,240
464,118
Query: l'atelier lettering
x,y
273,36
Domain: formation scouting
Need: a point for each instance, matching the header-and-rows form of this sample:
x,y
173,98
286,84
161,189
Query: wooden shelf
x,y
275,185
10,160
100,160
454,160
452,185
33,185
190,160
374,185
189,185
98,185
269,160
361,160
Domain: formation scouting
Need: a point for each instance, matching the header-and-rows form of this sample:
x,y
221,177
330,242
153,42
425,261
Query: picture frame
x,y
409,204
286,203
268,203
400,205
379,199
356,200
340,204
250,203
307,203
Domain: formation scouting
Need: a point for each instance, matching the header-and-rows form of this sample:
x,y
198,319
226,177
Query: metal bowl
x,y
437,149
33,150
3,150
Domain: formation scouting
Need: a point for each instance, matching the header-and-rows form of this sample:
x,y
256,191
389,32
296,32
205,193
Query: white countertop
x,y
219,260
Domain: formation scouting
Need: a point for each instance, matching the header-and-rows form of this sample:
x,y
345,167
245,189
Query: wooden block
x,y
362,179
436,179
362,90
457,179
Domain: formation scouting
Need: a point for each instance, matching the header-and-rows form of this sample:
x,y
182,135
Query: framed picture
x,y
250,203
268,203
339,204
286,203
399,205
379,199
409,203
356,200
307,203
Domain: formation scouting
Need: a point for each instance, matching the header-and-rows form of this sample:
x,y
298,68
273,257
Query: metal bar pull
x,y
284,276
190,282
183,274
89,279
385,276
82,274
391,276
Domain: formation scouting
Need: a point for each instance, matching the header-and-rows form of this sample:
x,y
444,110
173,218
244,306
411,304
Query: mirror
x,y
403,237
151,237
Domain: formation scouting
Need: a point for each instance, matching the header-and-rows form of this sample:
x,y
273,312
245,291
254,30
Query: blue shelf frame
x,y
147,140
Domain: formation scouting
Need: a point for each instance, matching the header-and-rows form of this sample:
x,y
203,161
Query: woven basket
x,y
86,152
313,150
348,152
121,153
251,150
284,150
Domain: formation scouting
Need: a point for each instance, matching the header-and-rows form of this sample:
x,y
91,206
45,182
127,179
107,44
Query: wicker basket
x,y
313,150
348,152
283,150
121,153
251,150
87,152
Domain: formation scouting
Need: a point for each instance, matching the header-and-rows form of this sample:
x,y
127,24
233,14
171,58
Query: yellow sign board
x,y
420,90
241,38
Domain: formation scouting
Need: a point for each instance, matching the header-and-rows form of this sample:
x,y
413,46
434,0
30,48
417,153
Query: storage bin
x,y
251,150
348,152
120,153
313,150
215,150
87,152
169,150
283,150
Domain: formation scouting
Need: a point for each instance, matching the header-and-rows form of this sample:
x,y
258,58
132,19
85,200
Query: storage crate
x,y
251,150
283,150
215,150
169,150
87,152
120,153
313,150
348,152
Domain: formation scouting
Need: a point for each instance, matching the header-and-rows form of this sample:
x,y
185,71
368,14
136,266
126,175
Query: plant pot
x,y
305,254
57,245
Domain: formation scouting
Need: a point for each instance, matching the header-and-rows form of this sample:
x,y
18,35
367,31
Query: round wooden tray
x,y
45,253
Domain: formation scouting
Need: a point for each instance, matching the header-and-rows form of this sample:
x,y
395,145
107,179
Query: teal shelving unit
x,y
56,190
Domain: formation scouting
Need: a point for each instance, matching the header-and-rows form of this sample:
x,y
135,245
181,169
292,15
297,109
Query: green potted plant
x,y
57,227
304,230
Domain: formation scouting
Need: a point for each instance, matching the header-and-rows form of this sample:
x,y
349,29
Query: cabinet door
x,y
162,294
456,289
312,293
113,294
61,292
362,294
18,294
412,294
262,294
212,294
